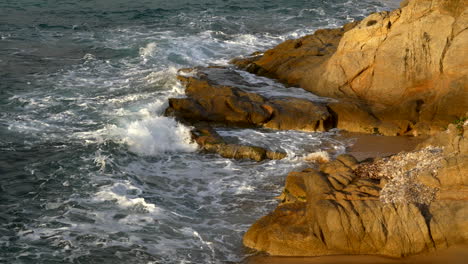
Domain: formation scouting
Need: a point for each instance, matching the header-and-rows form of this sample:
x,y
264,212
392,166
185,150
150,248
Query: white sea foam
x,y
244,188
148,51
271,88
100,160
179,206
318,156
126,196
89,57
296,144
157,135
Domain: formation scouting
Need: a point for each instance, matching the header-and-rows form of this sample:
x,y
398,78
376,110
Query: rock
x,y
294,188
298,114
348,208
454,171
354,117
403,70
404,3
209,140
210,99
292,59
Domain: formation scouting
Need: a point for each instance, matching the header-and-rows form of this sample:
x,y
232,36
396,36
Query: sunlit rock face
x,y
406,65
407,204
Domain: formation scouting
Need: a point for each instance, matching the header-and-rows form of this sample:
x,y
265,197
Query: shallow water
x,y
90,170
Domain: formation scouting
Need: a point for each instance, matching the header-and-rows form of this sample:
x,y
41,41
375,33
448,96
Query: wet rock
x,y
294,188
209,140
210,98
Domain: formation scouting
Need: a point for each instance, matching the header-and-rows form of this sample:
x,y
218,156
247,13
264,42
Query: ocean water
x,y
90,169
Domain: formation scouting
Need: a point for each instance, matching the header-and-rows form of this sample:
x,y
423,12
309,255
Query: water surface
x,y
91,171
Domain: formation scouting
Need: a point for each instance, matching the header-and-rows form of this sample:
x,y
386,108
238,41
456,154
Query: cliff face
x,y
410,66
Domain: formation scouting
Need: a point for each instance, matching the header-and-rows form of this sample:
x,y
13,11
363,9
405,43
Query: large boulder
x,y
395,206
409,65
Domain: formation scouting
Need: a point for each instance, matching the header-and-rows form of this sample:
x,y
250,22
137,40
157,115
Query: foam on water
x,y
147,51
271,88
125,196
296,144
157,135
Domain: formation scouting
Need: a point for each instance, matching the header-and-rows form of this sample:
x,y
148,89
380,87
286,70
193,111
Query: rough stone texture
x,y
343,212
209,140
209,100
214,95
454,171
409,65
291,60
355,117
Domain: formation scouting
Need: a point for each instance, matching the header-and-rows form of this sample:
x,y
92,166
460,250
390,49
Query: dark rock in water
x,y
209,99
209,140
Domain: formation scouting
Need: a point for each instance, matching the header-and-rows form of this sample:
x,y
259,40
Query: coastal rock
x,y
212,100
352,116
387,207
209,140
412,77
291,60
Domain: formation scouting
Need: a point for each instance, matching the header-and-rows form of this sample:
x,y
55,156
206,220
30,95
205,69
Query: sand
x,y
364,146
457,255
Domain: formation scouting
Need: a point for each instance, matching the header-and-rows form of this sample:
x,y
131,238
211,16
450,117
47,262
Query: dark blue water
x,y
90,170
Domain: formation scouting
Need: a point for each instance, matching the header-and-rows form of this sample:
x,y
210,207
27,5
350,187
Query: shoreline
x,y
370,146
455,255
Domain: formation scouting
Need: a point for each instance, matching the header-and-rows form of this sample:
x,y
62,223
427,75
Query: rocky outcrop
x,y
212,101
217,95
406,67
292,59
395,206
214,98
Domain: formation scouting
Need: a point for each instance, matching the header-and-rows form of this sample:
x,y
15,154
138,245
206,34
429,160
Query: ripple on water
x,y
90,169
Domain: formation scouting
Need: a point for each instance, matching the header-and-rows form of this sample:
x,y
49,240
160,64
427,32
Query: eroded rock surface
x,y
220,95
372,208
407,67
211,100
215,97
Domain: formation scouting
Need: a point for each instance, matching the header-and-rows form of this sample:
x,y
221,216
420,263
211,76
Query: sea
x,y
91,171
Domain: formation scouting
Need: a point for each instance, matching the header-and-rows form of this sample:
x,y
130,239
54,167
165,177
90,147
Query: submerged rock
x,y
406,204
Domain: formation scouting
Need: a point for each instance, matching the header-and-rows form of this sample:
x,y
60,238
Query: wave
x,y
156,136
